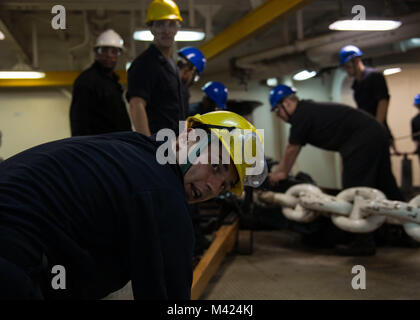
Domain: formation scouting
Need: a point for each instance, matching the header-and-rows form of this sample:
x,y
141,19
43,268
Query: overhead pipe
x,y
209,23
191,13
143,17
249,62
322,55
86,34
81,45
132,29
283,66
208,11
17,46
143,12
255,3
285,31
35,63
333,39
299,24
100,20
255,21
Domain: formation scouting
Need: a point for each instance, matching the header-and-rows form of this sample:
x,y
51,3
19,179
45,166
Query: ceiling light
x,y
304,75
21,75
364,25
415,41
2,36
272,82
389,71
182,35
190,35
143,35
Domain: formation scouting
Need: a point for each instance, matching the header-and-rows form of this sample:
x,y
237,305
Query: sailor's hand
x,y
275,177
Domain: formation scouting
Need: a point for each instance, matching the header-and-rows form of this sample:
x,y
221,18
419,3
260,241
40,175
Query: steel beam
x,y
255,21
16,44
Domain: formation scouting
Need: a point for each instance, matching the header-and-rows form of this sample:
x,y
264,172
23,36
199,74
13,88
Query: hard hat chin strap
x,y
195,153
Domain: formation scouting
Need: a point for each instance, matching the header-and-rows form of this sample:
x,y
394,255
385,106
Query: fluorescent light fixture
x,y
389,71
182,35
304,75
190,35
2,36
365,25
415,41
272,82
21,75
143,35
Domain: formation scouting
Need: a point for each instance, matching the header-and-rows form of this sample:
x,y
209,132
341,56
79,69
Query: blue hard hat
x,y
417,100
195,56
349,52
217,92
279,93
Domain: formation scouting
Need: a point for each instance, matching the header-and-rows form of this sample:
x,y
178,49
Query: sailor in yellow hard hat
x,y
235,141
163,10
164,20
153,77
106,210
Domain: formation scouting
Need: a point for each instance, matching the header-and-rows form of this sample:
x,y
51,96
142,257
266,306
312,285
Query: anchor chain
x,y
358,210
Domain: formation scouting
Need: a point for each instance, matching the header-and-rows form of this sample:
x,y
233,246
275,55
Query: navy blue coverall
x,y
104,209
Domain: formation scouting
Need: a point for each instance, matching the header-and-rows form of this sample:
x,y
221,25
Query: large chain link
x,y
358,210
292,208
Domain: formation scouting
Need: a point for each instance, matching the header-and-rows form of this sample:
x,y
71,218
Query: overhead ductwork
x,y
84,43
322,51
252,23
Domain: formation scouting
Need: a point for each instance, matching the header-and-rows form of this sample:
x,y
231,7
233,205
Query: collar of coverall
x,y
104,71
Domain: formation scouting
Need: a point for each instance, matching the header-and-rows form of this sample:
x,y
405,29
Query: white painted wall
x,y
403,87
29,117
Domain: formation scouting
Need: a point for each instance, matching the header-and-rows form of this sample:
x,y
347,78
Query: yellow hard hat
x,y
163,10
240,138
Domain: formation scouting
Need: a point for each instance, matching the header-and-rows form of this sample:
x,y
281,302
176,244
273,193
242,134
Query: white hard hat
x,y
109,38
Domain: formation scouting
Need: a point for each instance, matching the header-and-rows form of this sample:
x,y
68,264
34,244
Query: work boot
x,y
362,245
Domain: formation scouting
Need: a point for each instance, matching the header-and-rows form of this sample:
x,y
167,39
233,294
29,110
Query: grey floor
x,y
281,268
